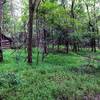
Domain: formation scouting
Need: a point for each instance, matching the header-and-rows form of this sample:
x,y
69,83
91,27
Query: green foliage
x,y
49,80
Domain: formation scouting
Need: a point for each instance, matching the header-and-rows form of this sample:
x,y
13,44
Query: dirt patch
x,y
87,97
88,69
90,97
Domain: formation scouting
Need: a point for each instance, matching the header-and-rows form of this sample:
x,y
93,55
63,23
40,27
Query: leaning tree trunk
x,y
1,14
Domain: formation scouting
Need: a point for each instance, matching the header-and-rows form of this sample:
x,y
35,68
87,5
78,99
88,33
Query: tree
x,y
33,5
1,14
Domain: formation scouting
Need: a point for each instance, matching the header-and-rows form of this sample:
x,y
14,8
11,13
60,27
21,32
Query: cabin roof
x,y
6,37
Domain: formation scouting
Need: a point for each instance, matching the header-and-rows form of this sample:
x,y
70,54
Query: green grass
x,y
49,80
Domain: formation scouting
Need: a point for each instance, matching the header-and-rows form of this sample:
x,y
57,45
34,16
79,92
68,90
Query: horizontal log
x,y
5,41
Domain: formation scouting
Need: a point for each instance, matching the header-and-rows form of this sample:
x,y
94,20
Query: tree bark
x,y
33,5
30,30
72,9
1,14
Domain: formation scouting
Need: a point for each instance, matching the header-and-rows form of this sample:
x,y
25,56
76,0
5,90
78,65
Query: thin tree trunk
x,y
1,53
1,14
33,5
30,30
38,39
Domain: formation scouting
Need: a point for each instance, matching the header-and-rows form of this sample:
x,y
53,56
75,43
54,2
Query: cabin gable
x,y
6,42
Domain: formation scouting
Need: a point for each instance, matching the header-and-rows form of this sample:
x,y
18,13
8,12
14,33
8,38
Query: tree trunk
x,y
1,14
93,45
38,38
32,8
30,30
67,46
1,53
72,9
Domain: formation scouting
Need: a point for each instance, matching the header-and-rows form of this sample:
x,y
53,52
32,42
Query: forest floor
x,y
59,77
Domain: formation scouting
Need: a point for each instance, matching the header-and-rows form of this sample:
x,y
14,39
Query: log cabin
x,y
6,42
